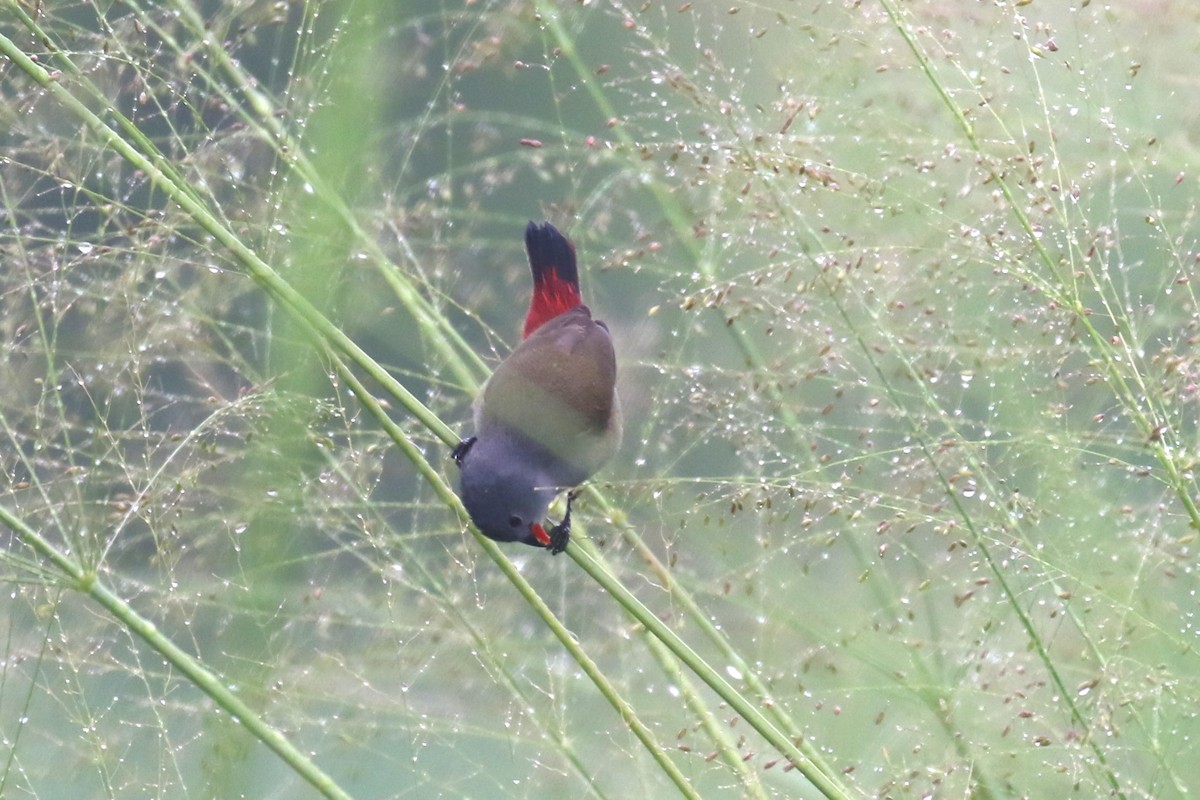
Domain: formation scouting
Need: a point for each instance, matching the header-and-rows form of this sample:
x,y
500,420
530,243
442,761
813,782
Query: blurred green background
x,y
911,400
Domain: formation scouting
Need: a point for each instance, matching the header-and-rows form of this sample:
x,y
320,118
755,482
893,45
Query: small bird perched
x,y
549,416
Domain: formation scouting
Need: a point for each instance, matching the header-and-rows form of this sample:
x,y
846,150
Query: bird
x,y
549,416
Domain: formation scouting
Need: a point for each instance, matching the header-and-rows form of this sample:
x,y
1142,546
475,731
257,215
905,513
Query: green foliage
x,y
903,298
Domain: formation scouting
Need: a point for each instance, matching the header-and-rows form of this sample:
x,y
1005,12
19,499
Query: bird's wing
x,y
558,386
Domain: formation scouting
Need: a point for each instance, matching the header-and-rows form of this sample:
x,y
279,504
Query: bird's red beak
x,y
540,534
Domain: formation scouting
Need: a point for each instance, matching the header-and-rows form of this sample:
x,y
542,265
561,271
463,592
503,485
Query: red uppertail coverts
x,y
549,416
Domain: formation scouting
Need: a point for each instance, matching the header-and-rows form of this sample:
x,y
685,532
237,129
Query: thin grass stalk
x,y
88,583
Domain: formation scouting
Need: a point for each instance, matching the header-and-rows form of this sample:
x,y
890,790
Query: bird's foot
x,y
560,534
460,450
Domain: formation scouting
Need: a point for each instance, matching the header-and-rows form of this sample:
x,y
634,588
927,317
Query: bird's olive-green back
x,y
558,388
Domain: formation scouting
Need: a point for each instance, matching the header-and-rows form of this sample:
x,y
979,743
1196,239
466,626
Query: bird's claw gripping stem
x,y
460,450
560,534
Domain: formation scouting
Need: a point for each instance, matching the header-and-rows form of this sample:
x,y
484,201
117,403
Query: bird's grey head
x,y
504,494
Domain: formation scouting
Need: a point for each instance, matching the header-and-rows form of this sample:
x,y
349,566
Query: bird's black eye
x,y
515,521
